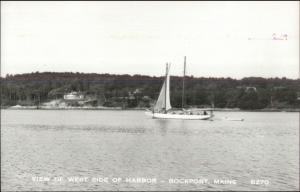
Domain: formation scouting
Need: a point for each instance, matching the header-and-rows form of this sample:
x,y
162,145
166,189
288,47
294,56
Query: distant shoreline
x,y
141,109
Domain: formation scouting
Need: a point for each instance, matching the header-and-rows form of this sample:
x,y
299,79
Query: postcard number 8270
x,y
259,182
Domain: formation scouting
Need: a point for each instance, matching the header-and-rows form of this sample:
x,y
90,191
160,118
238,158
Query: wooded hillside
x,y
142,91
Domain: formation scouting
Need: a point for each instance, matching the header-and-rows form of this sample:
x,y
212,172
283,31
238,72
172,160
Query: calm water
x,y
126,144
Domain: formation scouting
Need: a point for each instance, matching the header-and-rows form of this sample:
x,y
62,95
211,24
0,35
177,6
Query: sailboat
x,y
163,108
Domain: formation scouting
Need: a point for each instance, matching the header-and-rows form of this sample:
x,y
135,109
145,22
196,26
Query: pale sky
x,y
220,39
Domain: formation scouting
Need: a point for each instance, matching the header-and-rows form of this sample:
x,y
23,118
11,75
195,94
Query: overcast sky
x,y
220,39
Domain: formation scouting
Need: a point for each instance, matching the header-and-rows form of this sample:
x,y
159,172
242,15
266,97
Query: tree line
x,y
247,93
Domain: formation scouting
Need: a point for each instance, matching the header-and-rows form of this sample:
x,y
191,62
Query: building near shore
x,y
74,96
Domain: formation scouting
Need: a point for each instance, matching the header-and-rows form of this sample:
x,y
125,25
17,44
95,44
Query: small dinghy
x,y
233,119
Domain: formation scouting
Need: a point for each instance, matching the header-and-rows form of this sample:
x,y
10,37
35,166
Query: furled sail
x,y
163,101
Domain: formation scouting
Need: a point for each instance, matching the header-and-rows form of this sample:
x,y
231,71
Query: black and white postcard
x,y
150,96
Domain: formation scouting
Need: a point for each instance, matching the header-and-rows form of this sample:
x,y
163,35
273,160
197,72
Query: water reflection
x,y
183,127
162,125
169,126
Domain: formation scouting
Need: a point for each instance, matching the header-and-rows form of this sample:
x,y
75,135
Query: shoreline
x,y
142,109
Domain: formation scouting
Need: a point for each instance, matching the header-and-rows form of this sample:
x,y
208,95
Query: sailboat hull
x,y
178,116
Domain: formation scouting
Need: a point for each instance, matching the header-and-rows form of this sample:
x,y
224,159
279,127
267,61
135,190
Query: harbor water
x,y
127,150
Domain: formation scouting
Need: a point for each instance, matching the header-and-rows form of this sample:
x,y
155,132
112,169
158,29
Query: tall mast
x,y
166,87
182,101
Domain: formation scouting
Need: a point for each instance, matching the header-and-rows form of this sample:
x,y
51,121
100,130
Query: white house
x,y
74,96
